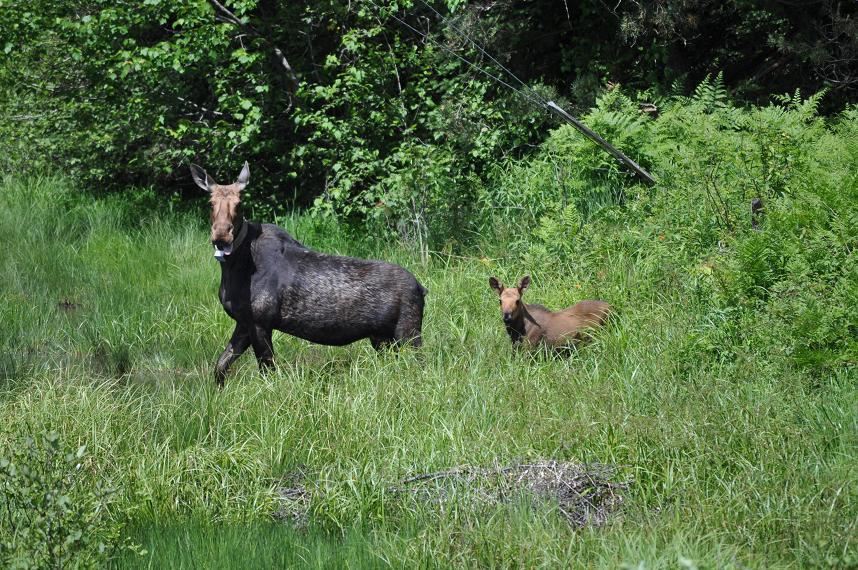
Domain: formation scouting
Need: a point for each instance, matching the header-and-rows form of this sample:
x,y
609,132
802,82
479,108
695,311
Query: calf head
x,y
510,297
227,220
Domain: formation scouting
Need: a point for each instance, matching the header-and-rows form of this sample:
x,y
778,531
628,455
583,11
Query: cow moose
x,y
534,324
270,280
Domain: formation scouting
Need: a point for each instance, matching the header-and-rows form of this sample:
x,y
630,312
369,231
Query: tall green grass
x,y
111,327
258,545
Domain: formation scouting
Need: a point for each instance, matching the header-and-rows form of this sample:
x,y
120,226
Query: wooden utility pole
x,y
592,135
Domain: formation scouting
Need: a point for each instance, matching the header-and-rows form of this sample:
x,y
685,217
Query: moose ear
x,y
524,283
243,177
495,284
201,178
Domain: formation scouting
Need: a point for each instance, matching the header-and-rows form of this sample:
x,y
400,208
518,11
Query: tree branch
x,y
227,16
230,17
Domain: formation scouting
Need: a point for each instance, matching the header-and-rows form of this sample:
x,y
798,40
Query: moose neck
x,y
238,257
241,236
519,326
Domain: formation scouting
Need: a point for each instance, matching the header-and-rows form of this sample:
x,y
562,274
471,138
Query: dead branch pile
x,y
584,493
293,499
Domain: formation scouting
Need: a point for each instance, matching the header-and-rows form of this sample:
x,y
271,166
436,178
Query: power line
x,y
487,54
538,102
535,98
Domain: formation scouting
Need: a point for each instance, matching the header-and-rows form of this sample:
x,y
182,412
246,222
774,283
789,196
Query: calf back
x,y
571,324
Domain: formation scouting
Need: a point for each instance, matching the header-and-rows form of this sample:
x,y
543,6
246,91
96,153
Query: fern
x,y
556,233
677,88
711,94
807,109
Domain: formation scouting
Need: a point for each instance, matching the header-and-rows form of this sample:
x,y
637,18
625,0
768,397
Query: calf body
x,y
270,281
534,324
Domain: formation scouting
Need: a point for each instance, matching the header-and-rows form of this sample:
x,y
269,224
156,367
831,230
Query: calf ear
x,y
495,284
523,284
201,178
243,177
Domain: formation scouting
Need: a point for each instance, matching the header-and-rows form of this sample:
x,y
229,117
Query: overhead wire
x,y
535,98
528,93
465,35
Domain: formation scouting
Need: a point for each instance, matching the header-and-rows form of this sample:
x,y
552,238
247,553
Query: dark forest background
x,y
328,100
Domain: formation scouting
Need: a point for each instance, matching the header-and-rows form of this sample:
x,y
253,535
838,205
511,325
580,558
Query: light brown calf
x,y
536,324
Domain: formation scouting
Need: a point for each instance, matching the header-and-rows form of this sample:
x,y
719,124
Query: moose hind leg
x,y
236,346
262,347
408,327
379,342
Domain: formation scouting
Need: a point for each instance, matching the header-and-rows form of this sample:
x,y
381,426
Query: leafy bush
x,y
324,98
794,273
144,90
409,162
55,514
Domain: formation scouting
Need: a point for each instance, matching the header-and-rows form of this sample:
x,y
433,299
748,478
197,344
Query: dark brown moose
x,y
269,280
534,324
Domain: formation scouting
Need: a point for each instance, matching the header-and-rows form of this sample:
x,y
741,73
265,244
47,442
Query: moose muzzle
x,y
222,250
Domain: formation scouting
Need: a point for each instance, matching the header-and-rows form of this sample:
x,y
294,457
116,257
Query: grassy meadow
x,y
111,327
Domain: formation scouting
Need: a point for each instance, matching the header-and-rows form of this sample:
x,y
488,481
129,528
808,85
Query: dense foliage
x,y
339,102
56,513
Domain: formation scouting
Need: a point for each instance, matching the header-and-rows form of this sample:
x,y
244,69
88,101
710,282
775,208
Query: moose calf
x,y
535,324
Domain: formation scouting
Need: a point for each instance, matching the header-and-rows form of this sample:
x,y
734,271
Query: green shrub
x,y
55,511
571,203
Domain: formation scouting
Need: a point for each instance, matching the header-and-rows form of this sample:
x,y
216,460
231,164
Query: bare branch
x,y
226,15
285,63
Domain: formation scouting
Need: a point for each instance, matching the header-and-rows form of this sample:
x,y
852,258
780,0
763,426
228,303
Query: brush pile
x,y
585,494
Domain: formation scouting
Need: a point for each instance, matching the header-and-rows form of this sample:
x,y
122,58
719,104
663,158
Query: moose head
x,y
510,297
228,224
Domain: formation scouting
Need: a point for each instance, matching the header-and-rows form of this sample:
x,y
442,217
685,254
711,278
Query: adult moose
x,y
536,324
269,280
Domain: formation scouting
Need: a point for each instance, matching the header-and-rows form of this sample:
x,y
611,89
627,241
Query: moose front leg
x,y
262,347
235,347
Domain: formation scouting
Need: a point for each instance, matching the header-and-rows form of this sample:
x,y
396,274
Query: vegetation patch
x,y
56,511
292,502
584,494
